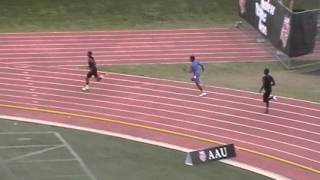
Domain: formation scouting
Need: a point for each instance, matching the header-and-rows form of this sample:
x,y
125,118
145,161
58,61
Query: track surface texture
x,y
40,78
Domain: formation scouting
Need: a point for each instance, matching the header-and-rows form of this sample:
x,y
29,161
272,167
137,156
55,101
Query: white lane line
x,y
145,38
228,122
110,46
153,60
123,34
147,141
231,115
138,81
66,53
34,153
199,110
123,31
88,44
81,162
206,134
213,105
159,61
176,87
182,54
207,118
181,82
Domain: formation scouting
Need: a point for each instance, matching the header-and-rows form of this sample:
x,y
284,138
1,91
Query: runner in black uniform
x,y
93,71
267,83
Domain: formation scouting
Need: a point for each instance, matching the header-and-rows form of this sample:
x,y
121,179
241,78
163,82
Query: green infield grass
x,y
80,15
301,83
39,152
75,15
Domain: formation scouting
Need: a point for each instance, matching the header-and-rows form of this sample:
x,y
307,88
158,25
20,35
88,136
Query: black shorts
x,y
92,72
266,95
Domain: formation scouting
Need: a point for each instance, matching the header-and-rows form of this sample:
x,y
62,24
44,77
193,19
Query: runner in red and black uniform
x,y
93,71
267,83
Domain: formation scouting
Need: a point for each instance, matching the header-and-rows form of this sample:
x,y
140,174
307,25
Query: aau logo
x,y
202,156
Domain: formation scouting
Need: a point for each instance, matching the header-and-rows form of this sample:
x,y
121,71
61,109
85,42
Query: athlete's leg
x,y
95,73
89,75
266,99
199,86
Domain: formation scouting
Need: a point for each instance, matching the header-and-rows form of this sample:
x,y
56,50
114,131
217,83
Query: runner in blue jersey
x,y
196,69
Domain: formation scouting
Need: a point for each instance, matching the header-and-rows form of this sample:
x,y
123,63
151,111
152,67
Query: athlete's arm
x,y
202,66
273,83
262,85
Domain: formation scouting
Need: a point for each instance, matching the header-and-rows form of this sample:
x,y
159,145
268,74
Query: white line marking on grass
x,y
28,146
81,162
34,153
63,177
49,160
24,139
138,139
8,170
16,133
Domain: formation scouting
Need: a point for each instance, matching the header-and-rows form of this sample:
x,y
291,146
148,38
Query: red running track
x,y
39,73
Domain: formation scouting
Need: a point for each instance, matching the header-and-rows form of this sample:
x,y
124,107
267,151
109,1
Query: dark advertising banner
x,y
211,154
304,33
290,32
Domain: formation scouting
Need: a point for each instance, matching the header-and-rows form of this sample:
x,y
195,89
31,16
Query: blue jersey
x,y
196,67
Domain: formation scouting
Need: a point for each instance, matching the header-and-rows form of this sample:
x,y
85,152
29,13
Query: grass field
x,y
244,76
71,15
38,152
80,15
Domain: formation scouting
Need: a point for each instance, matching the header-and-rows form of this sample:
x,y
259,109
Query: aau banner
x,y
211,154
290,32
